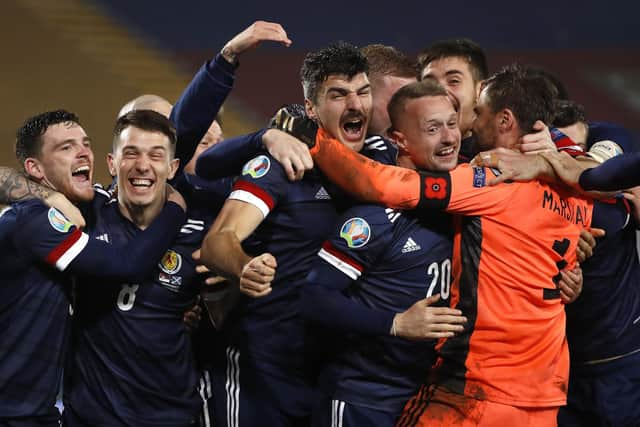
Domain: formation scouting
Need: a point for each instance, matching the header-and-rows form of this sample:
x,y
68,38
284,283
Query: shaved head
x,y
147,102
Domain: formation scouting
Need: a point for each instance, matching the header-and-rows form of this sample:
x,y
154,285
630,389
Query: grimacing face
x,y
65,162
454,74
143,164
343,108
428,132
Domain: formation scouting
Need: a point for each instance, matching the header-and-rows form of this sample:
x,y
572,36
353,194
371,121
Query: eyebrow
x,y
343,91
451,72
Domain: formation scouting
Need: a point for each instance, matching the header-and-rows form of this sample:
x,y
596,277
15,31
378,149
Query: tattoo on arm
x,y
16,186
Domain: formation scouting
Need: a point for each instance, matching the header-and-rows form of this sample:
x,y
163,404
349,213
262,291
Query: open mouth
x,y
81,174
140,183
353,128
446,151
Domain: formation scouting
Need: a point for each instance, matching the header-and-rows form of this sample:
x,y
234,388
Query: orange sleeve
x,y
364,178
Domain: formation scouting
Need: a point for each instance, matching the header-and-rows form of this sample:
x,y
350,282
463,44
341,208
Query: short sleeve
x,y
360,236
263,183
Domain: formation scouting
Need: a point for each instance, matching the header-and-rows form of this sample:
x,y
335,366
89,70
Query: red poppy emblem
x,y
435,188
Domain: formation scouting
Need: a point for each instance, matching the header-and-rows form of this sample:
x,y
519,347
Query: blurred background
x,y
91,56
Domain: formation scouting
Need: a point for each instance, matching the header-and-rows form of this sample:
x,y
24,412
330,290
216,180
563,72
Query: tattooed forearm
x,y
15,186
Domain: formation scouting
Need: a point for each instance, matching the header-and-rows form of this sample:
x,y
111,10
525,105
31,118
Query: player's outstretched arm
x,y
48,236
618,173
366,179
222,250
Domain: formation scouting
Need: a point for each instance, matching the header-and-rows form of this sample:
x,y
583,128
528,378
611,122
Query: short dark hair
x,y
568,113
147,120
29,136
337,58
527,94
387,60
463,48
561,89
427,87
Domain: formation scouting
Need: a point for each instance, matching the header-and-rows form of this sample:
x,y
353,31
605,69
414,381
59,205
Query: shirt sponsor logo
x,y
356,232
258,167
58,221
170,262
410,246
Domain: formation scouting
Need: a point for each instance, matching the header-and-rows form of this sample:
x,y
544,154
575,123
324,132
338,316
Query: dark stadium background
x,y
92,56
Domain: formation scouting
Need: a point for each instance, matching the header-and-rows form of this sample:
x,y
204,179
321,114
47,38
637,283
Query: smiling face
x,y
143,163
428,134
343,108
65,161
454,74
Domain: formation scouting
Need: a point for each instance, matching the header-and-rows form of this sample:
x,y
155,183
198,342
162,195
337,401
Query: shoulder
x,y
380,149
262,166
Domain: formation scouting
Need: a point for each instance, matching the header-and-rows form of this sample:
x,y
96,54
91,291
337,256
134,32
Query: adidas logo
x,y
410,246
104,237
322,194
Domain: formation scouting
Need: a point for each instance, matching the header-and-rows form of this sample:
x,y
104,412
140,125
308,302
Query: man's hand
x,y
587,242
257,275
288,120
570,285
292,154
174,196
68,209
539,141
565,167
513,165
191,318
252,36
212,278
421,321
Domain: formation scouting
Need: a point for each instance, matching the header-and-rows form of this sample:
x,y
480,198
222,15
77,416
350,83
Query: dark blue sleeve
x,y
227,157
199,104
363,234
601,131
46,235
611,216
615,174
324,303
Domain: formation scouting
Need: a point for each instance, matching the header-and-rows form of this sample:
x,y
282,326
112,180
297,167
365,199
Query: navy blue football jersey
x,y
605,320
385,260
132,362
297,218
40,249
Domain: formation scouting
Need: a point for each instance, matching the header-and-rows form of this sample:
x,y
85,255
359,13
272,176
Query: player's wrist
x,y
229,54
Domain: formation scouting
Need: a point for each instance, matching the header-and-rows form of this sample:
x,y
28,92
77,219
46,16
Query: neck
x,y
141,216
405,162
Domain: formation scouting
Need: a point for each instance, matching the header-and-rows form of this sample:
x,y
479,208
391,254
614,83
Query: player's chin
x,y
81,194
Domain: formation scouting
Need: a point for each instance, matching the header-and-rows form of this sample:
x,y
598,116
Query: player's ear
x,y
309,109
400,140
506,120
173,167
34,168
111,163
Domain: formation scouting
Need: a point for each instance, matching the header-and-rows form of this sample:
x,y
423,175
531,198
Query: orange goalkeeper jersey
x,y
510,244
509,248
